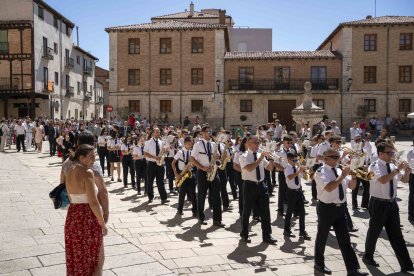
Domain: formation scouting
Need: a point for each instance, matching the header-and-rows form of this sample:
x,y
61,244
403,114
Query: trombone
x,y
362,174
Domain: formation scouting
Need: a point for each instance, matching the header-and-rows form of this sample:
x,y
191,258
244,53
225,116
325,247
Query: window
x,y
134,105
370,104
404,105
406,41
55,48
165,76
76,113
55,22
196,106
85,87
319,103
80,114
370,74
67,81
197,76
133,77
4,45
69,114
405,73
78,87
246,105
318,74
56,78
40,12
133,46
68,30
165,45
282,74
197,45
165,106
67,55
246,74
44,46
91,89
78,60
370,42
45,77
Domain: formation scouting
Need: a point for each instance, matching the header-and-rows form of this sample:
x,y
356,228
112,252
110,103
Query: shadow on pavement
x,y
242,253
291,247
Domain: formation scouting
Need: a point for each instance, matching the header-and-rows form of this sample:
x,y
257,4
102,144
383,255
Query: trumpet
x,y
352,152
307,175
364,175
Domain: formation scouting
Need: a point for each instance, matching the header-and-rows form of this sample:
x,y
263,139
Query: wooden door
x,y
282,110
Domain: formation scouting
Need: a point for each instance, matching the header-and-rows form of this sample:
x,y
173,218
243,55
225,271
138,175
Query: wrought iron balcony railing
x,y
290,84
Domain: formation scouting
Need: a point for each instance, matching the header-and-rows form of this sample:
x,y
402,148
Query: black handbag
x,y
59,196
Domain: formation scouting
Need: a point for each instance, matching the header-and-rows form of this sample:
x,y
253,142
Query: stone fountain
x,y
307,112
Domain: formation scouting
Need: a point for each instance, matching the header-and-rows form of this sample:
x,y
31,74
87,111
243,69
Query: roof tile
x,y
280,54
166,25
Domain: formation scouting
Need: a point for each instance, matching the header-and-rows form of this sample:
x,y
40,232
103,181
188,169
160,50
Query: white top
x,y
376,188
278,131
200,152
248,158
138,151
29,128
282,153
170,151
236,158
113,143
336,131
150,147
354,132
126,147
323,176
368,150
183,157
291,183
80,198
20,130
314,151
321,149
410,159
102,141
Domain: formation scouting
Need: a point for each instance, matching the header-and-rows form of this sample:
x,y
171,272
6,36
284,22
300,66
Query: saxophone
x,y
184,175
225,158
215,163
162,155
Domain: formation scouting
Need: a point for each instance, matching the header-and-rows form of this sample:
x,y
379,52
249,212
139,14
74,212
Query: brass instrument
x,y
360,173
185,174
306,175
225,158
162,155
352,152
215,163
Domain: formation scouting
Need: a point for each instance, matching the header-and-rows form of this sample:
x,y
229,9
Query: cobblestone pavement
x,y
149,239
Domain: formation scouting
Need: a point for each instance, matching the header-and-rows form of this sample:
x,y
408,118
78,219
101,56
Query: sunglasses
x,y
337,142
335,157
389,153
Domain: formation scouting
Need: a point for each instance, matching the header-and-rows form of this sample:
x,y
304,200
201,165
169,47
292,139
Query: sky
x,y
296,24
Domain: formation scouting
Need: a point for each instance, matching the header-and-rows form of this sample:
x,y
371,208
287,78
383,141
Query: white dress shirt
x,y
323,176
368,150
126,147
200,150
278,131
291,182
151,148
181,157
248,158
138,152
336,131
20,130
236,158
101,141
113,143
282,157
376,188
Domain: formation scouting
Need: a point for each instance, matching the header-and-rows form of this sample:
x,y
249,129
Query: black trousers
x,y
230,175
214,187
314,191
268,181
365,194
141,173
169,172
52,146
20,142
128,163
155,172
281,191
411,197
295,202
239,183
188,188
273,173
331,215
223,188
104,153
256,194
386,214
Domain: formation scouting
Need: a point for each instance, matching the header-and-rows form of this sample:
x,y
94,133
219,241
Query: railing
x,y
100,100
48,53
70,62
6,84
70,91
87,70
291,84
87,97
4,47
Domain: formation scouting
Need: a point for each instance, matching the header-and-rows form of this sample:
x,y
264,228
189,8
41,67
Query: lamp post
x,y
224,101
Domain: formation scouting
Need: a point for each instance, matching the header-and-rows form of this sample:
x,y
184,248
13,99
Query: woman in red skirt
x,y
85,225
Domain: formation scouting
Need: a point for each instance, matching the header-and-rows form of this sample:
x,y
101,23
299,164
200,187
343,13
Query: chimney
x,y
191,8
369,17
222,17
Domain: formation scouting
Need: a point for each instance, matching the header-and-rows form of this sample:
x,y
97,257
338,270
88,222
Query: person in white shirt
x,y
354,131
383,207
278,131
252,166
127,161
29,134
306,132
410,160
332,183
153,151
319,139
201,156
5,129
182,161
103,152
113,145
335,128
294,196
281,163
20,132
140,163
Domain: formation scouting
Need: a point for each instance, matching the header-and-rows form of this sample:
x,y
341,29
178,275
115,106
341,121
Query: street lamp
x,y
349,83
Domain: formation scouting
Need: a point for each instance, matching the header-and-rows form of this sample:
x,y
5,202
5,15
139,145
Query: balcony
x,y
87,70
87,97
70,63
7,84
70,91
4,47
48,53
100,100
291,84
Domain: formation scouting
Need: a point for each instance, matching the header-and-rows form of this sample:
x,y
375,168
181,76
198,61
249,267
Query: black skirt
x,y
115,156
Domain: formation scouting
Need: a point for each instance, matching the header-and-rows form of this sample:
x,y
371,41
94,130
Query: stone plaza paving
x,y
149,239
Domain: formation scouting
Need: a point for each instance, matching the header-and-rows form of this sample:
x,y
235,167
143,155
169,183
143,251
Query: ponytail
x,y
82,150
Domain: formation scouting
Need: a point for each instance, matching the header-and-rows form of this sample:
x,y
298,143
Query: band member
x,y
182,161
410,160
383,207
294,196
332,183
252,166
237,172
201,156
281,164
314,154
103,151
222,150
127,161
152,150
113,145
169,157
359,146
230,170
140,163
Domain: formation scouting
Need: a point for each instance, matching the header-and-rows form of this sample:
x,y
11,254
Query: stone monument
x,y
307,112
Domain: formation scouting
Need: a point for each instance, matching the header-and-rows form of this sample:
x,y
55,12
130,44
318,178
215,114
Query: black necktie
x,y
186,159
257,168
340,188
391,181
142,151
209,151
157,147
296,177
